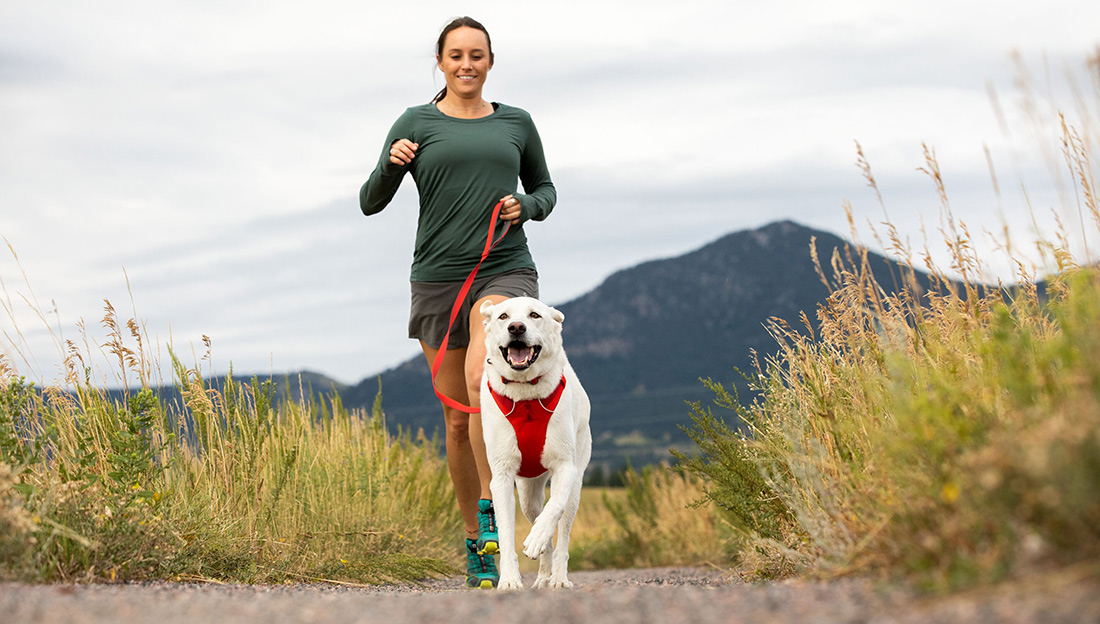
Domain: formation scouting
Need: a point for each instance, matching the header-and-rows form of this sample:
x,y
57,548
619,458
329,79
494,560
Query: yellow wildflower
x,y
950,492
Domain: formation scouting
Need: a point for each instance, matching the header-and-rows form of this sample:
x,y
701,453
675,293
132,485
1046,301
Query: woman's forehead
x,y
466,38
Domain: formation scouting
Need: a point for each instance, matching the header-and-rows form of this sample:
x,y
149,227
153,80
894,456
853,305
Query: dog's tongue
x,y
519,354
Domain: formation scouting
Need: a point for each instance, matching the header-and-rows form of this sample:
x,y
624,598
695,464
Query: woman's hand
x,y
511,210
403,151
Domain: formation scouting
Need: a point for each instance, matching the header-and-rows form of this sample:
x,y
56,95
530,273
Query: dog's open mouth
x,y
520,355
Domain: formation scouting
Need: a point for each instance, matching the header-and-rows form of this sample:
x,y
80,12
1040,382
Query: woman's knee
x,y
458,426
474,377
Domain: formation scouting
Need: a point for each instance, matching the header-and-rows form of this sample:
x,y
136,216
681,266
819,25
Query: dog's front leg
x,y
504,502
560,572
532,497
562,477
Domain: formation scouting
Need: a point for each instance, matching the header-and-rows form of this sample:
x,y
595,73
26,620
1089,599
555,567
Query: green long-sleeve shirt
x,y
461,169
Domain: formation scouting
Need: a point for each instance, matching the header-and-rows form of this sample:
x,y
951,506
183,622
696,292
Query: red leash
x,y
489,245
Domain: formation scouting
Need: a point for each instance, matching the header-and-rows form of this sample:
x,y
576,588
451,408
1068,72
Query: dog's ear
x,y
557,315
486,309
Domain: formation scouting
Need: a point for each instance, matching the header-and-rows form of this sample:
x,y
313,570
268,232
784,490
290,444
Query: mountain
x,y
642,339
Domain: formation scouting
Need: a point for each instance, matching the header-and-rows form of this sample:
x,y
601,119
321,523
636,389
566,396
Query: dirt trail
x,y
666,595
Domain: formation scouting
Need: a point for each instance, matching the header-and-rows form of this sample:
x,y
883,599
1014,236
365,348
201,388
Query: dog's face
x,y
522,335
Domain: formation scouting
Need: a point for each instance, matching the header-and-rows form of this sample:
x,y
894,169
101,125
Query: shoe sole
x,y
481,584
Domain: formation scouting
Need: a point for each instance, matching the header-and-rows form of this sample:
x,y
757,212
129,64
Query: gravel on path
x,y
666,595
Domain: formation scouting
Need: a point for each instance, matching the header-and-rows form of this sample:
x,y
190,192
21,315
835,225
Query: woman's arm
x,y
539,194
382,185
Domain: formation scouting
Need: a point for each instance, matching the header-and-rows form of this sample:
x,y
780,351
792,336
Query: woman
x,y
465,155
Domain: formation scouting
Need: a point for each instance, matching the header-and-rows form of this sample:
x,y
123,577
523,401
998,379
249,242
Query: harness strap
x,y
438,361
529,419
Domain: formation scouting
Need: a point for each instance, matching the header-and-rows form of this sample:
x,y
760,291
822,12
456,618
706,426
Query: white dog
x,y
534,414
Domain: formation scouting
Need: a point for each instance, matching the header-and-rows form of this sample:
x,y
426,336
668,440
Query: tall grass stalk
x,y
232,484
950,436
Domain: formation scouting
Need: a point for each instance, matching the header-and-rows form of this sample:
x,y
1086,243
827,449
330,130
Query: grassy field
x,y
231,485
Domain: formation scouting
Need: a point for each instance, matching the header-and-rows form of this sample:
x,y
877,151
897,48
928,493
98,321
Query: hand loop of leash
x,y
438,361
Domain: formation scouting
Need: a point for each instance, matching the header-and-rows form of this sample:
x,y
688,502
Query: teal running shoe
x,y
487,541
481,570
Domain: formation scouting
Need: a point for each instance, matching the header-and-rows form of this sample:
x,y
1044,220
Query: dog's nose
x,y
517,328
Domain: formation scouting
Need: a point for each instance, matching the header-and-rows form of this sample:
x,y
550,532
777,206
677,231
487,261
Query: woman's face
x,y
465,61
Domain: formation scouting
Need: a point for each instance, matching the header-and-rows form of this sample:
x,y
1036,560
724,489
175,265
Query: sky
x,y
197,163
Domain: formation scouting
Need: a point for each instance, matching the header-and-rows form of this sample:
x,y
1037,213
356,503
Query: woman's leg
x,y
475,367
451,381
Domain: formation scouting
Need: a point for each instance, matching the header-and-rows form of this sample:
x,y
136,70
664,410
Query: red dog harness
x,y
529,419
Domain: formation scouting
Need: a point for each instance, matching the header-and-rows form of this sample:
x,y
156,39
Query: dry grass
x,y
652,521
950,436
590,524
655,520
232,485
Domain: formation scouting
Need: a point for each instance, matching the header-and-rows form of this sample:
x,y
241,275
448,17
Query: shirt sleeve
x,y
540,194
382,185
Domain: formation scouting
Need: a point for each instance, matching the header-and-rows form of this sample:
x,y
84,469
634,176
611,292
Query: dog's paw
x,y
510,584
534,547
559,583
538,540
541,582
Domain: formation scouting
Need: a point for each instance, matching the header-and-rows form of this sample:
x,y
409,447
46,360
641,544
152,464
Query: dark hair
x,y
457,23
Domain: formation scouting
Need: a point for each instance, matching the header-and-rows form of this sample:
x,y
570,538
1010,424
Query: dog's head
x,y
522,337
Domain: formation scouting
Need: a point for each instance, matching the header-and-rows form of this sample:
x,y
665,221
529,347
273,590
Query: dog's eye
x,y
535,315
503,317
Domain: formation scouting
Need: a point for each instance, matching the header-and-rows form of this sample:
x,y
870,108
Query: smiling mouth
x,y
519,355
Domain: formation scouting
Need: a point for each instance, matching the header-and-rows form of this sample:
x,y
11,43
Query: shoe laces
x,y
484,563
487,520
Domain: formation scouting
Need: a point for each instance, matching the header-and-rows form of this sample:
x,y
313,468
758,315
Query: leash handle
x,y
465,290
